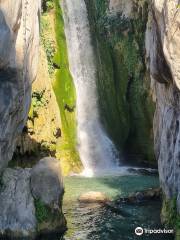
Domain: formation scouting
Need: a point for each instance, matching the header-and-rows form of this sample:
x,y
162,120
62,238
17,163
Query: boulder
x,y
31,201
93,197
47,190
47,182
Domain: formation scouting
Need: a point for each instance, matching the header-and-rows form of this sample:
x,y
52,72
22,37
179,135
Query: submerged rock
x,y
93,197
143,171
141,196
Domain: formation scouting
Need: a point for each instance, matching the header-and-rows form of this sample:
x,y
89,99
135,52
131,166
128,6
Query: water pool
x,y
97,222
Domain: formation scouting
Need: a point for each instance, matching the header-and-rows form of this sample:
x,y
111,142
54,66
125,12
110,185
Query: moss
x,y
47,5
49,219
54,42
47,42
169,213
38,100
125,103
170,216
42,211
112,99
65,94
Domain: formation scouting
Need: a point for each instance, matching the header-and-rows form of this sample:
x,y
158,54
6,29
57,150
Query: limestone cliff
x,y
163,58
19,42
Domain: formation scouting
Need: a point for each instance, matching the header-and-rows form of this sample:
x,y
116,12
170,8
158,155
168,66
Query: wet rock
x,y
139,196
121,6
93,197
143,171
146,195
47,182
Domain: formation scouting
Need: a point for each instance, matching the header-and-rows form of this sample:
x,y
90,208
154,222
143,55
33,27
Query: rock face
x,y
163,58
31,201
120,6
17,211
19,27
43,125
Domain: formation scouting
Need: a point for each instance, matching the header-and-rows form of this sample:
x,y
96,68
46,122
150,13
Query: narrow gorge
x,y
89,119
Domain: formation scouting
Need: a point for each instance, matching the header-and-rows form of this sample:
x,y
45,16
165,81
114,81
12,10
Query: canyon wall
x,y
118,33
163,59
138,53
19,50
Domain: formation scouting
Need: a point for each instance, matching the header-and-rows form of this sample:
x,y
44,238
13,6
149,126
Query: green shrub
x,y
38,100
47,5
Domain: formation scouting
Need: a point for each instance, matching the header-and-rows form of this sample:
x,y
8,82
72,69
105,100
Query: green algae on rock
x,y
65,94
124,92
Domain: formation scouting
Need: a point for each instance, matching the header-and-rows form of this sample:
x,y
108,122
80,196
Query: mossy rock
x,y
123,86
63,86
170,216
49,219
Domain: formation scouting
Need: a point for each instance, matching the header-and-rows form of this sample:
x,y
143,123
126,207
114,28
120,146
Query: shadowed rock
x,y
17,211
46,181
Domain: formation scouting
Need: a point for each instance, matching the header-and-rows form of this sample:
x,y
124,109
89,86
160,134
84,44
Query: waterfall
x,y
97,152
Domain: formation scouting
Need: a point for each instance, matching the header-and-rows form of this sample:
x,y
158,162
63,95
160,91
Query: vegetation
x,y
38,100
125,102
47,42
169,214
47,217
65,94
47,5
42,211
54,42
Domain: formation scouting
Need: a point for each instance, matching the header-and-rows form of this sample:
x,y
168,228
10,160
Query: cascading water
x,y
96,150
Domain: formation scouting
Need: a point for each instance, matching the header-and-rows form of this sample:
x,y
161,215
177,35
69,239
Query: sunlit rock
x,y
93,197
